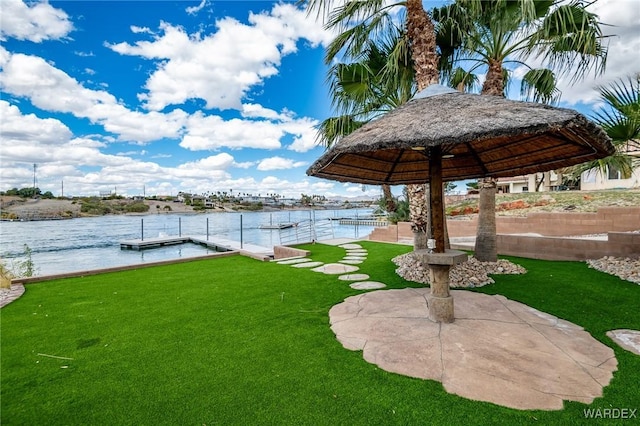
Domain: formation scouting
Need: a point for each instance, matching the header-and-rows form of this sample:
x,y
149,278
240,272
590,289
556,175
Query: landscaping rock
x,y
472,273
624,268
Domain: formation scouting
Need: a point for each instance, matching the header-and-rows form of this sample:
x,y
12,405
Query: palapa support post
x,y
440,301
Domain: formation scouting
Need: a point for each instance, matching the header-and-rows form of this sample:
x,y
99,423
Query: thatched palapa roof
x,y
479,136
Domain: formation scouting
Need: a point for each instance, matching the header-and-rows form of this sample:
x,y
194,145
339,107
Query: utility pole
x,y
35,166
62,189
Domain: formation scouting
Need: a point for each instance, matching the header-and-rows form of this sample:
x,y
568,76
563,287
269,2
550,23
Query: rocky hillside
x,y
525,203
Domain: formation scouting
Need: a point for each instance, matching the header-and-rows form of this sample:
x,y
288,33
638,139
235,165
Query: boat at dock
x,y
277,225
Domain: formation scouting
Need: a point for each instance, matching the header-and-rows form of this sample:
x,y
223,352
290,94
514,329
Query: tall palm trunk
x,y
486,249
425,63
389,204
486,246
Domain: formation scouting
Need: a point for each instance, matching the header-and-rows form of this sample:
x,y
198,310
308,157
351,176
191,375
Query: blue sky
x,y
197,96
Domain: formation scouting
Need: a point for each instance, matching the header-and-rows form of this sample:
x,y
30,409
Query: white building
x,y
589,181
536,182
612,179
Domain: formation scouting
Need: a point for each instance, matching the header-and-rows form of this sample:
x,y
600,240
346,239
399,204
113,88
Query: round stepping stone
x,y
367,285
307,264
351,246
353,277
351,261
357,252
293,261
335,268
627,339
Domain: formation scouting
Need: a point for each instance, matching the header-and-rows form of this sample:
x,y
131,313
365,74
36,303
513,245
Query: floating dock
x,y
214,243
364,222
148,243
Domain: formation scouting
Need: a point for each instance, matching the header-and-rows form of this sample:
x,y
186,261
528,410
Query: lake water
x,y
60,246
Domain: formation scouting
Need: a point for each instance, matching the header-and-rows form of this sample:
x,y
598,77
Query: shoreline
x,y
19,210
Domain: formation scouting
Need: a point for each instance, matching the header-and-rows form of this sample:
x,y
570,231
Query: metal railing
x,y
307,231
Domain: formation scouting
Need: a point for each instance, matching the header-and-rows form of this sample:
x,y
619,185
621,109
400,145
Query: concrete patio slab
x,y
627,339
497,350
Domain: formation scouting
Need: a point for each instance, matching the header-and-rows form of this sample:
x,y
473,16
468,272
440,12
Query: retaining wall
x,y
284,252
616,221
618,244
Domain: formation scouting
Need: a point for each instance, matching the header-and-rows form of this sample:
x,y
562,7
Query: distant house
x,y
612,179
182,196
536,182
589,181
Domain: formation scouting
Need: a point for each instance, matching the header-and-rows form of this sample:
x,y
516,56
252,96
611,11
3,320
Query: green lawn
x,y
235,341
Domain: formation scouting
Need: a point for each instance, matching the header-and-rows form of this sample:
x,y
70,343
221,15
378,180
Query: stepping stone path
x,y
293,261
367,285
626,339
335,268
355,255
353,277
351,247
307,264
351,262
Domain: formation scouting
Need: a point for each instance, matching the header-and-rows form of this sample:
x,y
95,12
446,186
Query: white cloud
x,y
623,57
212,132
279,163
35,22
221,68
305,134
51,89
140,30
195,9
215,162
17,129
258,111
28,139
244,165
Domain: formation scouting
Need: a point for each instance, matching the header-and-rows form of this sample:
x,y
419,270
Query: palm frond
x,y
539,85
570,40
332,129
463,80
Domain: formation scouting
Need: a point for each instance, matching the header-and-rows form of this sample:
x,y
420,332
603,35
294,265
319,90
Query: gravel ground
x,y
476,274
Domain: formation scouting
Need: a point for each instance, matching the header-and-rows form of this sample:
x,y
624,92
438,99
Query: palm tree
x,y
494,33
361,92
358,22
620,118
